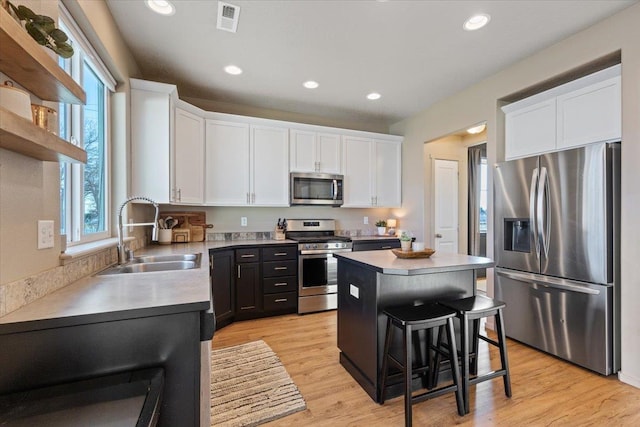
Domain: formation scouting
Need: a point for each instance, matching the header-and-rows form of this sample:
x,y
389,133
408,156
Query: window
x,y
84,189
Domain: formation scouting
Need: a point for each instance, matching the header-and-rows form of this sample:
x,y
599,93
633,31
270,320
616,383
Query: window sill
x,y
87,249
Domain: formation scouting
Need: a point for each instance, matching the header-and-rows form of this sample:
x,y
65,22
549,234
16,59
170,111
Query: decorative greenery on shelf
x,y
43,30
405,237
381,223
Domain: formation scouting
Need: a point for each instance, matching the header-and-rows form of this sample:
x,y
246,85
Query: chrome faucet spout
x,y
122,253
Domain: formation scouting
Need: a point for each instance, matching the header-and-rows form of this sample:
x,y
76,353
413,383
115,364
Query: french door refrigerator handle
x,y
542,215
550,282
532,209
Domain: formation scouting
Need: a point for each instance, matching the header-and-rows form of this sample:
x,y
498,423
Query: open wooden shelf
x,y
22,136
26,62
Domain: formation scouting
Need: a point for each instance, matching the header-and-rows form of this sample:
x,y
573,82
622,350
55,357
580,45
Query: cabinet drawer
x,y
376,246
281,301
280,284
279,268
247,255
280,253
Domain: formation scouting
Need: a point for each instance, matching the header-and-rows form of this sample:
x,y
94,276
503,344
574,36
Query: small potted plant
x,y
382,227
405,241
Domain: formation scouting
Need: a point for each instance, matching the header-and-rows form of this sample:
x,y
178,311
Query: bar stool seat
x,y
409,319
473,309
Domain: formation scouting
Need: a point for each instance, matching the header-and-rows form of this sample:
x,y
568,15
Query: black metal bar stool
x,y
473,309
410,319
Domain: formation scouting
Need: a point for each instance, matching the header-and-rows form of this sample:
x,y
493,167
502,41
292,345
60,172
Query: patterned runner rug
x,y
249,386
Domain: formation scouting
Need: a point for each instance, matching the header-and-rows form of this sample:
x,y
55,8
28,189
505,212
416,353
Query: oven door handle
x,y
320,253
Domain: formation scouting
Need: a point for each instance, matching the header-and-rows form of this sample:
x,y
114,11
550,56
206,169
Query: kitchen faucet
x,y
122,252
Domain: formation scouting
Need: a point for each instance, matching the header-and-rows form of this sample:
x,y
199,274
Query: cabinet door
x,y
222,286
269,166
358,176
248,291
302,149
531,130
329,153
227,159
151,114
590,114
188,158
388,174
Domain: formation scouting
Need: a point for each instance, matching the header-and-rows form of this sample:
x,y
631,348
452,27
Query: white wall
x,y
480,102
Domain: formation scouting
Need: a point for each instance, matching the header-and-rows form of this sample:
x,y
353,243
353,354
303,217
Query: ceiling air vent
x,y
228,15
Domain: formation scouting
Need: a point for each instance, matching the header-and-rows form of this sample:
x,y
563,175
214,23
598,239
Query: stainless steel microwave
x,y
315,189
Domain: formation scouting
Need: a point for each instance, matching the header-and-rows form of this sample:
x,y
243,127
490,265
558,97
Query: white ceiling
x,y
412,52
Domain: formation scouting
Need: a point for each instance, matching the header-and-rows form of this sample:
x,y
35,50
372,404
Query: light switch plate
x,y
45,234
243,221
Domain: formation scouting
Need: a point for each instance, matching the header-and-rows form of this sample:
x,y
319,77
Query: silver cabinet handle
x,y
438,236
179,194
280,284
386,247
249,307
281,300
238,272
248,198
280,254
247,256
280,268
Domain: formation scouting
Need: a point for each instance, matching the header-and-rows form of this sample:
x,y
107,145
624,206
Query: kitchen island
x,y
370,281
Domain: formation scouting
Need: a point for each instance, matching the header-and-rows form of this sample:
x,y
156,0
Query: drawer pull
x,y
281,300
248,307
280,268
386,247
280,254
280,284
247,256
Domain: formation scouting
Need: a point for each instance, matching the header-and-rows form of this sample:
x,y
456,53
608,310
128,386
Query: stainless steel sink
x,y
153,263
166,258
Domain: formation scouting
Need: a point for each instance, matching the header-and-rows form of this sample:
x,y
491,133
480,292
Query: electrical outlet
x,y
45,234
366,220
243,221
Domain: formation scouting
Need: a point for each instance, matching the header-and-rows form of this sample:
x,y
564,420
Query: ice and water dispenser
x,y
516,235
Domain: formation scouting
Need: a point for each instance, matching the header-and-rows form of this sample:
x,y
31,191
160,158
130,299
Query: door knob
x,y
438,236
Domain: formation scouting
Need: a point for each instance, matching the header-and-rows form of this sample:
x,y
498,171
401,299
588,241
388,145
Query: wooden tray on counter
x,y
413,254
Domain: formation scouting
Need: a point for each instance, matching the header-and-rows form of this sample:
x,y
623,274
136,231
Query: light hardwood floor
x,y
546,391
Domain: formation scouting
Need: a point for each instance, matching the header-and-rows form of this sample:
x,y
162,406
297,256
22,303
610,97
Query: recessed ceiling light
x,y
232,69
163,7
310,84
476,129
476,22
373,96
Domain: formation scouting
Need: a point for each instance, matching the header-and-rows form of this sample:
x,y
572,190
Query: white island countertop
x,y
386,262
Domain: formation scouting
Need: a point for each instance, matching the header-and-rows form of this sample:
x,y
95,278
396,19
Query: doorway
x,y
477,203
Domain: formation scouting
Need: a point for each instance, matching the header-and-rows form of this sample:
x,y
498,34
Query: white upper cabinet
x,y
188,158
531,130
314,152
590,114
388,175
152,113
227,158
372,172
269,171
358,172
580,112
247,165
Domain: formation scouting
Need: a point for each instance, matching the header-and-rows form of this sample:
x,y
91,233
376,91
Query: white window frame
x,y
74,195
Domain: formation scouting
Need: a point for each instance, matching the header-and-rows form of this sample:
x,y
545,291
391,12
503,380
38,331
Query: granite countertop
x,y
113,297
386,262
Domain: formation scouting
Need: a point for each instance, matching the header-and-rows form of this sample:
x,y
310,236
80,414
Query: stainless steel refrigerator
x,y
557,253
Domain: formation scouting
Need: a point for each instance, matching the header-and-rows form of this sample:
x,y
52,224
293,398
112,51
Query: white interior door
x,y
446,205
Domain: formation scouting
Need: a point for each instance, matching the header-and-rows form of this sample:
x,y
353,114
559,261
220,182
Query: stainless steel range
x,y
317,268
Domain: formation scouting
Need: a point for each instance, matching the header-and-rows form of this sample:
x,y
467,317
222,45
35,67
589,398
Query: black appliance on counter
x,y
317,268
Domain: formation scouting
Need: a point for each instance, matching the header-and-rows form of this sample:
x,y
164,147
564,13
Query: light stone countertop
x,y
386,262
372,238
113,297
